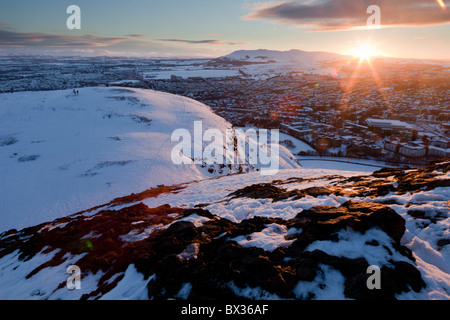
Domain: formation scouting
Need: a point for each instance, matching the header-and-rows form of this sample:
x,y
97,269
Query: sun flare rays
x,y
364,52
442,4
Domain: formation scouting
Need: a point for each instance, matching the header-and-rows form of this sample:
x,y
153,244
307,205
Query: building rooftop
x,y
388,124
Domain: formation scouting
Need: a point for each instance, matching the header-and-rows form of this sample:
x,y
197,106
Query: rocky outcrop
x,y
102,242
175,246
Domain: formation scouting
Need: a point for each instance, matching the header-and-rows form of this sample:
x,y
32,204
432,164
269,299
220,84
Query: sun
x,y
364,52
442,4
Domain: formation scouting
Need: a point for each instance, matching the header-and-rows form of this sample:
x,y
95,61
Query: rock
x,y
305,268
443,242
183,230
258,191
394,281
198,211
409,276
366,216
320,223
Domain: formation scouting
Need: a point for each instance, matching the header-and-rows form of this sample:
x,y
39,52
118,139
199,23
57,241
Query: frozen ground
x,y
257,213
62,153
292,144
349,164
190,72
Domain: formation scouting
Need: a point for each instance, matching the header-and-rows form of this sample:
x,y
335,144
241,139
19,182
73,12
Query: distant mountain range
x,y
294,55
264,56
271,62
299,57
266,63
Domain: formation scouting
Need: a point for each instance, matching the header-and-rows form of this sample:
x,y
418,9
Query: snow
x,y
421,238
62,153
212,191
263,55
346,164
268,239
121,82
424,250
195,219
41,285
269,63
328,285
252,293
337,166
185,291
298,145
133,286
240,209
352,244
135,235
284,62
191,73
190,252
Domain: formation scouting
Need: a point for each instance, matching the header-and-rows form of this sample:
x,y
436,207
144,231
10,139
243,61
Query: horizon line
x,y
193,57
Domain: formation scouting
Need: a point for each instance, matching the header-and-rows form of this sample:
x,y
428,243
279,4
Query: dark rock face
x,y
261,191
393,281
414,180
219,261
321,223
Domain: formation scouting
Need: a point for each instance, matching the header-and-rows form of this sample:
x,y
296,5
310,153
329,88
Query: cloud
x,y
5,26
10,38
331,15
137,35
211,42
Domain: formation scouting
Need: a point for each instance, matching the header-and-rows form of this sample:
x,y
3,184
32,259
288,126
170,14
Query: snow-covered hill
x,y
303,234
265,62
291,56
61,153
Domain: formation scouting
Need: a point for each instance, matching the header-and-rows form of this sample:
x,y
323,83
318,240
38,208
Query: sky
x,y
213,28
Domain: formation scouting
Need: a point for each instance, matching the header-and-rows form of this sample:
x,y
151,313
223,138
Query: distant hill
x,y
261,56
291,56
260,62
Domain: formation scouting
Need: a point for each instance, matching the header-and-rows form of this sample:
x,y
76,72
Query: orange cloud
x,y
330,15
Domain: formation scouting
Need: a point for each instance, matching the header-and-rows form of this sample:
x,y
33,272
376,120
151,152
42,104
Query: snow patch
x,y
274,236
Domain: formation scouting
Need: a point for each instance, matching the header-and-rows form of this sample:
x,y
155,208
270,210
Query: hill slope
x,y
291,56
61,153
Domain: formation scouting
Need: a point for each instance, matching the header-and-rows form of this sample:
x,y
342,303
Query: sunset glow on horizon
x,y
150,28
364,52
